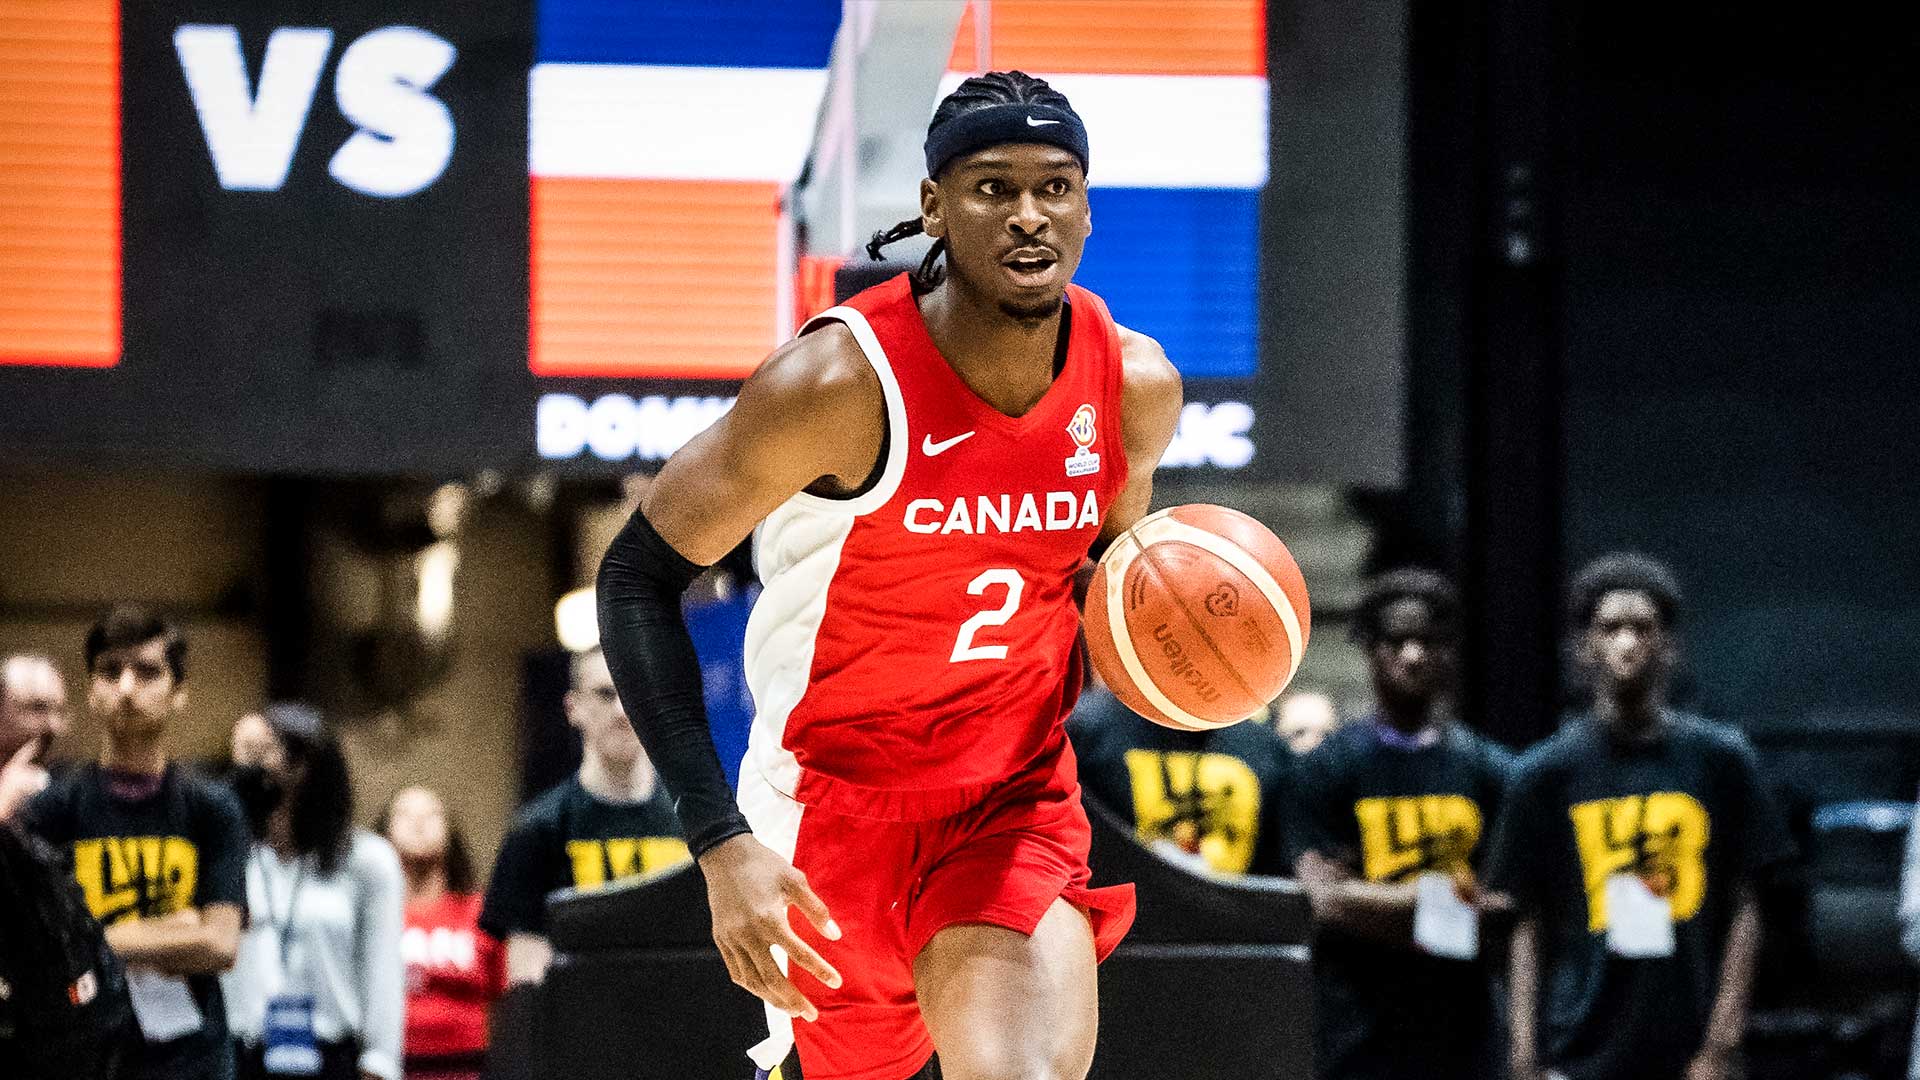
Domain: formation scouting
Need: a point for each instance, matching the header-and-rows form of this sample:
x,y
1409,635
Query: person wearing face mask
x,y
610,820
319,988
1632,843
454,969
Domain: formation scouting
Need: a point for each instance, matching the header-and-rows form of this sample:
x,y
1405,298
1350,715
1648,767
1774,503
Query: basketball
x,y
1197,617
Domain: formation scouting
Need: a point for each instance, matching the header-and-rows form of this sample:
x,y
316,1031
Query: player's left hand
x,y
750,889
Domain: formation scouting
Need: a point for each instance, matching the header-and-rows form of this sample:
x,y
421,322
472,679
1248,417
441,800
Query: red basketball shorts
x,y
893,885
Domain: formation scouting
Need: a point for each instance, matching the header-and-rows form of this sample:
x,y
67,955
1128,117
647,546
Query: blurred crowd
x,y
1590,909
228,919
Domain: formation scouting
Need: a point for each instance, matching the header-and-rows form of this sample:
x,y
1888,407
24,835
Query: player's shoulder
x,y
822,377
1150,394
826,361
1144,362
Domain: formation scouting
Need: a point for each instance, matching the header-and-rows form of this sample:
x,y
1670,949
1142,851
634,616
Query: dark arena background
x,y
348,334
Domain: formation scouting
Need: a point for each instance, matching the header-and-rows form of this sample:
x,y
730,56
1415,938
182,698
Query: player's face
x,y
1412,658
132,690
417,827
1627,643
1015,219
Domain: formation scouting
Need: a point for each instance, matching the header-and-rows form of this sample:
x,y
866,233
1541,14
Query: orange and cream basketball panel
x,y
1197,617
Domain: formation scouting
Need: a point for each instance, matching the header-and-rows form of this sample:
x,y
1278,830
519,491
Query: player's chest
x,y
1030,486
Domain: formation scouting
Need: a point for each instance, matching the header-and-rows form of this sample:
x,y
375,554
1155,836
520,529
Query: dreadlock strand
x,y
909,227
930,272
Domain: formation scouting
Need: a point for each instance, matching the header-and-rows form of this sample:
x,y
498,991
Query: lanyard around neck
x,y
282,925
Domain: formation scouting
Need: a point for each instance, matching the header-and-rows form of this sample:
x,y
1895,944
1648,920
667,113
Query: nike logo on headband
x,y
1031,122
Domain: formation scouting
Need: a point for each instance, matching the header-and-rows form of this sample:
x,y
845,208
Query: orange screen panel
x,y
1117,37
60,182
653,278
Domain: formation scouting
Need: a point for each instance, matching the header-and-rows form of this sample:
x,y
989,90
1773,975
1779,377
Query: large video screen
x,y
430,237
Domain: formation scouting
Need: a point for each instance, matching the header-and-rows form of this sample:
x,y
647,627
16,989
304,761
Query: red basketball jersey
x,y
913,646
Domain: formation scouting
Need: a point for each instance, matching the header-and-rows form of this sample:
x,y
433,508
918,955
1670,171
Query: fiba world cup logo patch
x,y
1084,461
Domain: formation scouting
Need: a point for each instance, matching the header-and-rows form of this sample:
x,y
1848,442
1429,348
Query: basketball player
x,y
1630,843
927,467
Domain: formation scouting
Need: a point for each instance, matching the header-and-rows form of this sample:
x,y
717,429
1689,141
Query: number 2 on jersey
x,y
963,646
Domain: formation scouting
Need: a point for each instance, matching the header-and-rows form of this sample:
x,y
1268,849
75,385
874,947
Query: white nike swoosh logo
x,y
1031,122
935,449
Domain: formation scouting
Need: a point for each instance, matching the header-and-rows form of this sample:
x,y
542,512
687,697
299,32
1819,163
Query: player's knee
x,y
1003,1062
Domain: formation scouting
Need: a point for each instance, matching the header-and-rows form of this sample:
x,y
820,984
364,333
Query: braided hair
x,y
979,92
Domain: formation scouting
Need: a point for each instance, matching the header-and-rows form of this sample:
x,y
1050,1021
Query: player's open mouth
x,y
1031,267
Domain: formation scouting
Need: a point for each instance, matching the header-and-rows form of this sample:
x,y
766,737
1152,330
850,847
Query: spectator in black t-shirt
x,y
1630,843
610,820
159,852
1402,794
1210,799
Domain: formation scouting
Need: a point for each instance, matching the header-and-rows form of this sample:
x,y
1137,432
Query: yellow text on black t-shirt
x,y
1402,835
1662,837
145,876
1206,803
597,862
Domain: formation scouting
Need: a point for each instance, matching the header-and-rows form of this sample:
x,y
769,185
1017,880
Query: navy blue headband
x,y
977,129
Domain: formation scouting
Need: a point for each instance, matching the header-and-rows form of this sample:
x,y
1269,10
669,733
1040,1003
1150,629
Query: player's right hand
x,y
749,889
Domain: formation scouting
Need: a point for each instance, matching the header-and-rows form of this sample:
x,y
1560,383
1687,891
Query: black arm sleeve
x,y
657,674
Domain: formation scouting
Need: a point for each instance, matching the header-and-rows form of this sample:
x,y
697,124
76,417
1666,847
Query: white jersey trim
x,y
898,445
797,551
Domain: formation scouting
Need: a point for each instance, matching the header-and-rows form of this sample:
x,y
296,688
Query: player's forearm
x,y
1522,998
1728,1022
174,946
657,673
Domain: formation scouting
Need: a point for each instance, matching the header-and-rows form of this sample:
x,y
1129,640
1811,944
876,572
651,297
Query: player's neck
x,y
145,755
979,339
603,780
